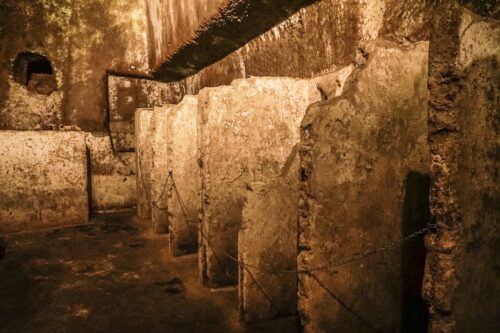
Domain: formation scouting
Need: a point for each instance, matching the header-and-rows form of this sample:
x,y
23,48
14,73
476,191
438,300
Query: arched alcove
x,y
35,72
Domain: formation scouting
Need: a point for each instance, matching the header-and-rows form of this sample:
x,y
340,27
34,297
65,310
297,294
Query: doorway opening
x,y
416,215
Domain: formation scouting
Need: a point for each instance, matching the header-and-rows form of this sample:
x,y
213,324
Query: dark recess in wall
x,y
488,8
416,216
26,64
35,72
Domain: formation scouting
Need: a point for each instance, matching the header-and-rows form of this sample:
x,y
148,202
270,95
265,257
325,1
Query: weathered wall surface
x,y
212,30
122,36
26,110
113,175
317,38
173,23
83,39
143,161
159,168
43,180
268,240
184,184
122,135
246,132
125,95
357,152
464,117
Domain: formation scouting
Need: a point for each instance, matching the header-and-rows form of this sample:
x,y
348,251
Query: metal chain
x,y
184,209
358,257
189,224
154,203
271,269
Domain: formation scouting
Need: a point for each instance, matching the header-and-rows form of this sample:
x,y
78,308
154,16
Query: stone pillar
x,y
159,170
358,152
462,276
183,199
267,243
246,131
143,159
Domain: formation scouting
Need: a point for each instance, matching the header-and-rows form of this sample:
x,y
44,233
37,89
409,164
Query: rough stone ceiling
x,y
235,25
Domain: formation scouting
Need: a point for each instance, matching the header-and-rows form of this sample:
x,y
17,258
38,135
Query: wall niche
x,y
35,72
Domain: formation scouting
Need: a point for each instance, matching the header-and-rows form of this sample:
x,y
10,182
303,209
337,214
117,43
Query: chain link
x,y
195,228
154,203
272,269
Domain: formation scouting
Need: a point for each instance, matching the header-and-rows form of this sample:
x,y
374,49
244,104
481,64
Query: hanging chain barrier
x,y
196,232
147,188
272,269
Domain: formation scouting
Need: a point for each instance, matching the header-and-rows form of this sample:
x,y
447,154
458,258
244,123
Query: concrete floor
x,y
111,276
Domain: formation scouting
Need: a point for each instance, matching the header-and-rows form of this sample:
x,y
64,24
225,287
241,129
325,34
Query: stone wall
x,y
246,132
83,40
173,23
113,175
128,93
125,36
143,161
302,43
26,110
43,180
184,184
462,276
358,152
267,246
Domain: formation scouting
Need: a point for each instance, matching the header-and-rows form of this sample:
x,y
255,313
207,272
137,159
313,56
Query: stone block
x,y
122,135
464,85
184,184
126,94
144,161
44,84
359,153
246,131
113,175
267,246
159,171
43,180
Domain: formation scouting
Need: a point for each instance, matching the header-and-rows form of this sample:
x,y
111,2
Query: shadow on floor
x,y
111,276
